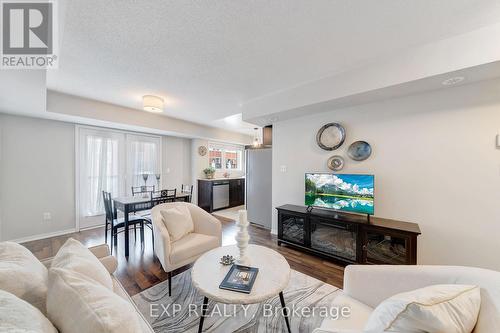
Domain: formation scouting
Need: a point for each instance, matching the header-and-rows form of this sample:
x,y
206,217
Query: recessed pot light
x,y
453,80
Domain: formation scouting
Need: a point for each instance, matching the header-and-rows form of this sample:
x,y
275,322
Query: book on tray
x,y
240,278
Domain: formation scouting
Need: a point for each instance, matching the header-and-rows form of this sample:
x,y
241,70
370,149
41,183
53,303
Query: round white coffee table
x,y
274,274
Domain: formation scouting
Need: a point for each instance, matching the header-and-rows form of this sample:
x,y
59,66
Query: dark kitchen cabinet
x,y
206,193
236,192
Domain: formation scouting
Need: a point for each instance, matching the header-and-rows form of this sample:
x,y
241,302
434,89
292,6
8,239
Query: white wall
x,y
37,175
71,108
37,164
434,160
176,162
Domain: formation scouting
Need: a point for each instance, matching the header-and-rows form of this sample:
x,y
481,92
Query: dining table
x,y
129,204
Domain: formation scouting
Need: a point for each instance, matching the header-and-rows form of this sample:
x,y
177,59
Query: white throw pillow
x,y
23,275
76,304
17,315
178,221
76,257
440,308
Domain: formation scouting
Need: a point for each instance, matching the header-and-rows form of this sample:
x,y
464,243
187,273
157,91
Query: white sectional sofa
x,y
102,252
67,295
365,287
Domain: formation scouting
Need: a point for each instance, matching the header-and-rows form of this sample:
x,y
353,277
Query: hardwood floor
x,y
142,270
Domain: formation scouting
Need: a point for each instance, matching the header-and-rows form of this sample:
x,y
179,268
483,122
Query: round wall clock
x,y
330,136
359,150
335,163
202,150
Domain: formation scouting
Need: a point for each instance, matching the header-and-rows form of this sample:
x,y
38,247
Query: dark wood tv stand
x,y
348,238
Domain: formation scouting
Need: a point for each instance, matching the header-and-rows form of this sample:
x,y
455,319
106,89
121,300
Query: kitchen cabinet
x,y
212,200
236,192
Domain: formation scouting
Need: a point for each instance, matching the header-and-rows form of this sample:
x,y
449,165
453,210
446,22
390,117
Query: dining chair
x,y
142,191
158,197
163,196
136,190
114,223
187,189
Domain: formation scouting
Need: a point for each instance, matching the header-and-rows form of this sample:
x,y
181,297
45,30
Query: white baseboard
x,y
43,236
93,227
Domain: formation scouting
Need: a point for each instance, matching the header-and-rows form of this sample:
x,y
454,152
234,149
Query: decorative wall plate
x,y
359,150
330,136
335,163
202,150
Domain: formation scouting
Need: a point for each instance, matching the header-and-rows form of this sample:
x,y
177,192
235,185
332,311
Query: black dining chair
x,y
141,190
187,189
114,223
158,197
163,196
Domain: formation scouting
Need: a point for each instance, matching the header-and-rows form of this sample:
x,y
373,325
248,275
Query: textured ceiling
x,y
208,57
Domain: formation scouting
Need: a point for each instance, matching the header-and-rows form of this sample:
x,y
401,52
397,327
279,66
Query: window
x,y
113,161
222,157
215,157
233,159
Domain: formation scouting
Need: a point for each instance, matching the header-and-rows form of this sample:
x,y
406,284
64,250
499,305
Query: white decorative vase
x,y
242,237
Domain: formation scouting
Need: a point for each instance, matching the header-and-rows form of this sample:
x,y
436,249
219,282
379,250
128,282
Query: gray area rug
x,y
305,295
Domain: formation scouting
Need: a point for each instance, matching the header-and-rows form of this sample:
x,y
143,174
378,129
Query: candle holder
x,y
145,177
242,237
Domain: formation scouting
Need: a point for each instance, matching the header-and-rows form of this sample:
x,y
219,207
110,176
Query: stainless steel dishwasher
x,y
220,198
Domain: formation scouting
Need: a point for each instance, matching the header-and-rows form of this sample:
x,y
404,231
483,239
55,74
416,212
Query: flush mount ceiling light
x,y
453,80
152,103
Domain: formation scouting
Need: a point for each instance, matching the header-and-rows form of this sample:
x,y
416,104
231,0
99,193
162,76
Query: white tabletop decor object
x,y
242,238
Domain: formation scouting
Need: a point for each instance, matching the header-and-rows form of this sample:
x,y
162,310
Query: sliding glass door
x,y
143,165
112,161
101,168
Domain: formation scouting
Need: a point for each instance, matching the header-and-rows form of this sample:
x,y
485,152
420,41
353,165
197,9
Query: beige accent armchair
x,y
207,235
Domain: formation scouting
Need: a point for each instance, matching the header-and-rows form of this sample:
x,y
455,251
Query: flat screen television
x,y
352,193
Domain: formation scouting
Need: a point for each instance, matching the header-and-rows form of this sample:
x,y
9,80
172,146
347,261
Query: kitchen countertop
x,y
222,178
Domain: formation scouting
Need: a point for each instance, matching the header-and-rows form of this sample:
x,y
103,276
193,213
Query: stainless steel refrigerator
x,y
259,186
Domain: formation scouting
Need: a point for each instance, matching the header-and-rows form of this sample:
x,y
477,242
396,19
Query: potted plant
x,y
209,172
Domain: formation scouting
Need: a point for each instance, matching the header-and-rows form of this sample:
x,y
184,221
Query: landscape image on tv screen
x,y
353,193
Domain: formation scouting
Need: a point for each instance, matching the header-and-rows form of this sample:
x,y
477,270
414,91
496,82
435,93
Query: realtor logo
x,y
28,34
